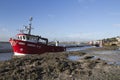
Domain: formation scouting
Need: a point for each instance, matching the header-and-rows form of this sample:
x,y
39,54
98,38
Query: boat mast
x,y
29,28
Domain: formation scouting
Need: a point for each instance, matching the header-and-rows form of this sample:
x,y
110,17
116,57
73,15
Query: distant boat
x,y
26,43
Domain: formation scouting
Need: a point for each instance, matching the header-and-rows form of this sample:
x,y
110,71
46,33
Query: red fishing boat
x,y
26,43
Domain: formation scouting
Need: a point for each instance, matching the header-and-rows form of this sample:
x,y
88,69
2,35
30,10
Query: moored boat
x,y
26,43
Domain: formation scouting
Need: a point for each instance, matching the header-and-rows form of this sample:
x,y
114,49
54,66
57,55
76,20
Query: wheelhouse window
x,y
28,38
22,37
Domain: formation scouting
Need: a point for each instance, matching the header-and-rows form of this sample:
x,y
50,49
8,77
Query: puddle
x,y
78,48
74,58
114,63
108,60
118,63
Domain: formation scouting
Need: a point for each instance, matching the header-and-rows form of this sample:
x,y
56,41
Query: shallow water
x,y
5,56
111,56
78,48
5,45
74,58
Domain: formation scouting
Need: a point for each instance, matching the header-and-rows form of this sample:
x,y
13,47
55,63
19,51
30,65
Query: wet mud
x,y
57,66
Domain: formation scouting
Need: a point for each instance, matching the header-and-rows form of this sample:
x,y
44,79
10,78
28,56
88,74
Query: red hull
x,y
24,47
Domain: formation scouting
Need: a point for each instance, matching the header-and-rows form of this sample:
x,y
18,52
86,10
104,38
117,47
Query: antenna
x,y
31,18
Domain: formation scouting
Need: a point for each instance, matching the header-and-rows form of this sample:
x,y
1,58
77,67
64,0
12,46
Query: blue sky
x,y
64,20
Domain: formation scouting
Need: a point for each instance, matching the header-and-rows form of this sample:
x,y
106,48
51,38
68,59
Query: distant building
x,y
118,38
98,43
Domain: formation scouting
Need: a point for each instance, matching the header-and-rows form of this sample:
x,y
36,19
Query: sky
x,y
63,20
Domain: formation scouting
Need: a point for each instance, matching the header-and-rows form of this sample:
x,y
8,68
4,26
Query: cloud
x,y
116,25
78,35
4,30
4,34
87,36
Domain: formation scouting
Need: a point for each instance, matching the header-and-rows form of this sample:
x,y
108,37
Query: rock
x,y
88,57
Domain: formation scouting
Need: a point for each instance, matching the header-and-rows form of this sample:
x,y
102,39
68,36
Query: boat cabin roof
x,y
27,35
31,38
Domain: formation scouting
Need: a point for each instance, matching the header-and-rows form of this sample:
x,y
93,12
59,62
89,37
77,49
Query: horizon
x,y
62,20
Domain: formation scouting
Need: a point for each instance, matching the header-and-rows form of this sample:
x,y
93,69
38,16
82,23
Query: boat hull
x,y
26,48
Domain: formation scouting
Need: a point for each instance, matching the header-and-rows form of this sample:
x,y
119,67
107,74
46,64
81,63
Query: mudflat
x,y
57,66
